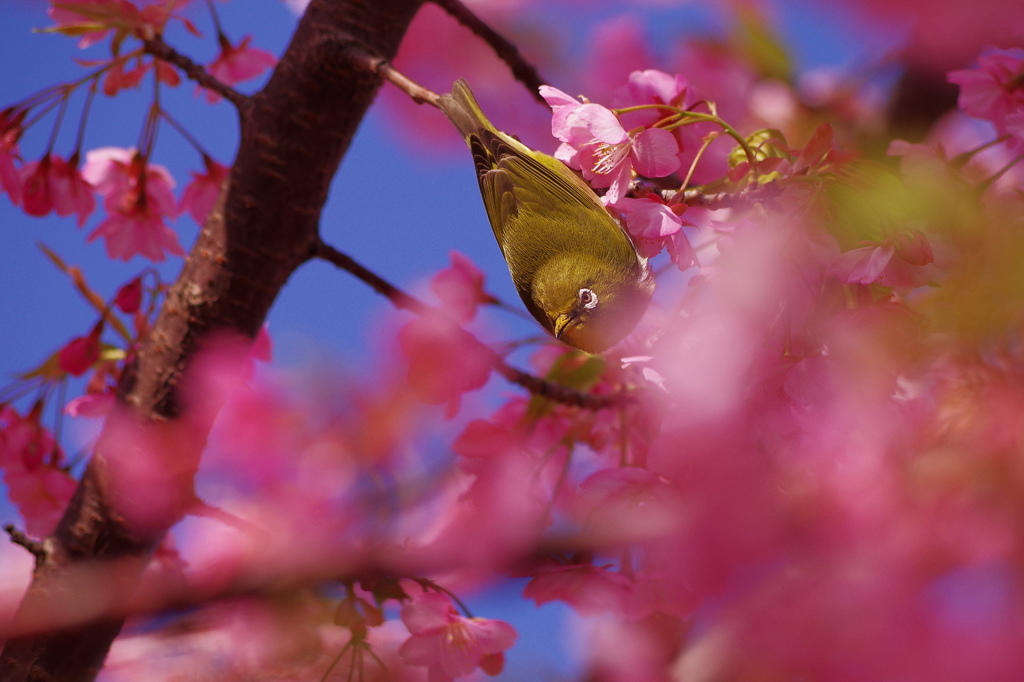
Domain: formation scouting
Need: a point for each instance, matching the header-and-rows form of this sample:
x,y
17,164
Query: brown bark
x,y
294,134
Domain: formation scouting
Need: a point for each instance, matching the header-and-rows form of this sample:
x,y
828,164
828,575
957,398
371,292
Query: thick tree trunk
x,y
293,137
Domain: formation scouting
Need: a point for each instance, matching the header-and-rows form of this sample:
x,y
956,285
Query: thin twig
x,y
383,68
523,71
399,298
161,50
557,392
404,301
697,197
35,547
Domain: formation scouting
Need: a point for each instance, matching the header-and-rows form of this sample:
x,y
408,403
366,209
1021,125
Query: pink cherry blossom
x,y
80,354
504,432
994,89
651,86
238,63
117,173
41,496
90,405
37,192
53,184
129,296
201,194
138,197
898,262
624,504
23,441
460,287
594,141
95,19
148,467
625,650
653,226
118,78
69,20
954,139
450,645
913,247
501,499
32,470
589,589
444,360
137,232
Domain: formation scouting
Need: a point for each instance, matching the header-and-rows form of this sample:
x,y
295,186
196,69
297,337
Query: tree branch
x,y
399,298
381,66
161,50
404,301
18,537
525,72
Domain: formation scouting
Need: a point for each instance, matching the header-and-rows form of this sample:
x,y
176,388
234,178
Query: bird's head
x,y
595,309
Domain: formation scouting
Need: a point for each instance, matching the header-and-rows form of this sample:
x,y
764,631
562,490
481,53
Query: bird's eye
x,y
588,299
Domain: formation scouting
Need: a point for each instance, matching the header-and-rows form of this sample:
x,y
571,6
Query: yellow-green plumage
x,y
573,265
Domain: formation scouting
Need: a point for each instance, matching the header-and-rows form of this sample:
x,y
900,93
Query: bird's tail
x,y
461,107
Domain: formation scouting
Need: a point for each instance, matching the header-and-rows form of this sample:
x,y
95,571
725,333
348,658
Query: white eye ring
x,y
588,298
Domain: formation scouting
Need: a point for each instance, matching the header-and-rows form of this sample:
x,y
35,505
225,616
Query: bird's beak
x,y
564,323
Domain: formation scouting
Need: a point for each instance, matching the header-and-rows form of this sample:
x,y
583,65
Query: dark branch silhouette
x,y
404,301
161,50
523,71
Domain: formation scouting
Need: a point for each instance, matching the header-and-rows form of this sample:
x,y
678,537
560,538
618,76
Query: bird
x,y
572,263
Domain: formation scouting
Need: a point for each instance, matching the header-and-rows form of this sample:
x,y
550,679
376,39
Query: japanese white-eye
x,y
573,265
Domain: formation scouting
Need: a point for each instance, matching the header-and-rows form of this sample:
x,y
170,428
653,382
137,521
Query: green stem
x,y
56,124
686,117
998,174
187,135
962,158
696,158
222,39
646,107
80,135
458,602
335,661
695,117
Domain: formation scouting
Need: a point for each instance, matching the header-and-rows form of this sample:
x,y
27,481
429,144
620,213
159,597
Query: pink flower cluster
x,y
450,645
238,63
33,472
594,141
137,196
994,91
53,185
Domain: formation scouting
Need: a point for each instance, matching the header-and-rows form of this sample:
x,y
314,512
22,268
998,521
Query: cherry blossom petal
x,y
655,153
460,287
863,265
653,86
600,123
